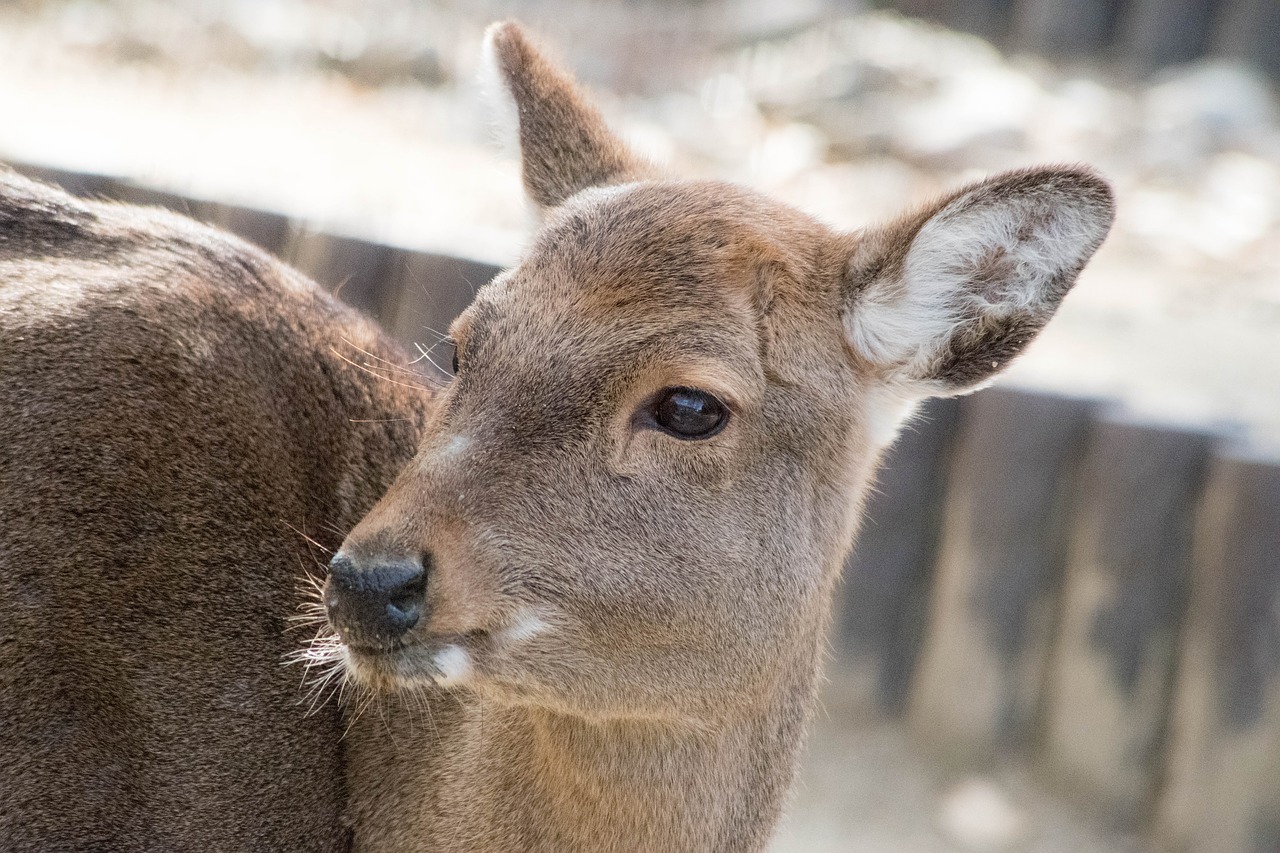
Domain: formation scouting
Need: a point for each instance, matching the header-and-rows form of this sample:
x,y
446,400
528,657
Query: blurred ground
x,y
363,117
866,788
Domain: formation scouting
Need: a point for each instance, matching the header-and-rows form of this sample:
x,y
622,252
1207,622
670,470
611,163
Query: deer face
x,y
634,497
614,505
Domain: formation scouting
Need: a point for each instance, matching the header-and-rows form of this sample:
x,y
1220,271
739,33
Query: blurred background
x,y
1061,630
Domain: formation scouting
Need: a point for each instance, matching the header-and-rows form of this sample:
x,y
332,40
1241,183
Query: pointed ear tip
x,y
503,31
1087,177
1094,192
501,39
1082,178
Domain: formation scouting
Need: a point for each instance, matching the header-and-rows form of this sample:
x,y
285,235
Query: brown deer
x,y
610,564
590,608
174,405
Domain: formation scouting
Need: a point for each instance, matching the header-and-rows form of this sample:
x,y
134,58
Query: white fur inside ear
x,y
503,113
992,258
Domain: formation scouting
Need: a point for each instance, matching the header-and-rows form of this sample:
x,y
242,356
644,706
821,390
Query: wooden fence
x,y
1039,579
1140,34
1044,579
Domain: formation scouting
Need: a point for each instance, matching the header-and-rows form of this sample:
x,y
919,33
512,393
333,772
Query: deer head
x,y
634,498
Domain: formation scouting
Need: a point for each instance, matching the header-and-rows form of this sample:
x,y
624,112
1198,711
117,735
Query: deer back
x,y
179,417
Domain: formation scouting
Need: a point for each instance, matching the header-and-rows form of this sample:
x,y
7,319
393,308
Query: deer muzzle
x,y
373,603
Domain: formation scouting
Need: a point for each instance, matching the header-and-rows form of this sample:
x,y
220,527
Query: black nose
x,y
375,602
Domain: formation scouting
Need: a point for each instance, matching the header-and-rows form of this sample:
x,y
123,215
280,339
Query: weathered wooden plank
x,y
1066,29
987,18
263,228
1111,674
990,19
145,196
1250,30
1156,33
357,271
431,290
83,184
1222,789
884,600
933,10
1001,557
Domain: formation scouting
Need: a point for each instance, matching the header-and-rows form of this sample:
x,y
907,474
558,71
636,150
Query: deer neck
x,y
471,775
574,784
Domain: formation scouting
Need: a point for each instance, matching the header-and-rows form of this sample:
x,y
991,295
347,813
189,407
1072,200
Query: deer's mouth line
x,y
438,660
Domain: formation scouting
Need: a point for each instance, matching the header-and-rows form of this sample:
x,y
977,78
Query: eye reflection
x,y
689,413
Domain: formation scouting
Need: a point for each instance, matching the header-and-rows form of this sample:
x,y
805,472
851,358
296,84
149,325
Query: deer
x,y
175,405
580,591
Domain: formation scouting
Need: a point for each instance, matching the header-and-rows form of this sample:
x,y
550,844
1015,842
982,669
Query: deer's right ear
x,y
565,145
941,300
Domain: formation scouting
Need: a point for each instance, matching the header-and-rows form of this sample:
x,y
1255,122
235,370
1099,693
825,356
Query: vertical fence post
x,y
1054,27
430,290
1155,33
1222,791
143,196
1111,672
267,230
884,600
1250,30
356,271
82,184
989,19
1001,554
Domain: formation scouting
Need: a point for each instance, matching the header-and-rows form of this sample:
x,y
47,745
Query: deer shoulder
x,y
178,413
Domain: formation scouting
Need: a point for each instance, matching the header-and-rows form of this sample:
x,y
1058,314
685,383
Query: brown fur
x,y
175,416
620,630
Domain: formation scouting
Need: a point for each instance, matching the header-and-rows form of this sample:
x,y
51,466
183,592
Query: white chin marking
x,y
454,665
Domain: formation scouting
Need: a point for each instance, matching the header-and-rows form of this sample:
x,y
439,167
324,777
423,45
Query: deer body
x,y
173,410
589,612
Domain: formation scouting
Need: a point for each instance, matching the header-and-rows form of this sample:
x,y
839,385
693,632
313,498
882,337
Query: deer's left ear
x,y
565,145
941,300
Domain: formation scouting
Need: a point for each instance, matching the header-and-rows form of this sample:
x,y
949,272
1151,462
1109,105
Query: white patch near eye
x,y
528,626
454,665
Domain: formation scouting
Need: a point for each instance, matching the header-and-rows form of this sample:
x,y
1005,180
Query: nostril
x,y
409,595
375,602
404,603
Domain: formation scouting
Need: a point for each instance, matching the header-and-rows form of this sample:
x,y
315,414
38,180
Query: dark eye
x,y
689,413
455,359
